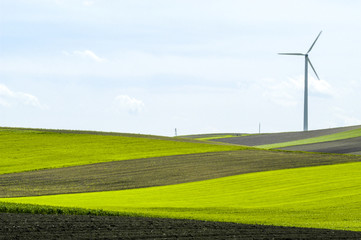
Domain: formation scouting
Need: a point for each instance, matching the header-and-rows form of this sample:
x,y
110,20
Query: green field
x,y
84,173
321,197
215,137
25,150
325,138
158,171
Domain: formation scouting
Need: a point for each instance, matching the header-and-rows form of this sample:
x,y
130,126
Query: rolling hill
x,y
149,176
27,150
334,140
272,197
157,171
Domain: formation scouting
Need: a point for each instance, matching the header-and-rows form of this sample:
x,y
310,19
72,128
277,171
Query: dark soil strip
x,y
157,171
340,146
33,226
209,135
261,139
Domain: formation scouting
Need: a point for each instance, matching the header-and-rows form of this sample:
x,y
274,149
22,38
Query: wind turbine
x,y
307,61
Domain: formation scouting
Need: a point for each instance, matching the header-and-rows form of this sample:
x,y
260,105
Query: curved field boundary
x,y
215,137
210,135
316,197
37,226
326,138
25,150
350,146
271,138
140,173
100,133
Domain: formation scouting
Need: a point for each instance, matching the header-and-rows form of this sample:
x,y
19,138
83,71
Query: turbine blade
x,y
313,68
297,54
314,42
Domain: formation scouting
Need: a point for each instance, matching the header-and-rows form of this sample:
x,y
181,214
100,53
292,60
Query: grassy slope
x,y
326,138
24,150
318,197
324,197
214,137
157,171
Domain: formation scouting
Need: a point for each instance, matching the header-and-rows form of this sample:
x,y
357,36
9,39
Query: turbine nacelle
x,y
306,55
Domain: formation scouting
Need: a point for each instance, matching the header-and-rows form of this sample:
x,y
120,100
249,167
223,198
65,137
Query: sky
x,y
201,66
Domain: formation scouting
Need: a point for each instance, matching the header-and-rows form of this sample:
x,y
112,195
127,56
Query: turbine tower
x,y
307,61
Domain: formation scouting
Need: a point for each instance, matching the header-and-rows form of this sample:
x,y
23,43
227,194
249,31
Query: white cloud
x,y
315,86
88,3
10,98
284,93
59,2
343,115
89,54
348,120
288,92
129,104
321,87
72,3
85,54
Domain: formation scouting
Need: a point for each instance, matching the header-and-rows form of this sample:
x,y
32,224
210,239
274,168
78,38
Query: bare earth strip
x,y
262,139
351,145
36,226
157,171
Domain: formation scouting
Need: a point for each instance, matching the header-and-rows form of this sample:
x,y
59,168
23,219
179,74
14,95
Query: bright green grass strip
x,y
220,136
23,150
317,197
215,137
326,138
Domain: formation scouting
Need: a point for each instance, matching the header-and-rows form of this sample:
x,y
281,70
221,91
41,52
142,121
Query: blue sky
x,y
200,66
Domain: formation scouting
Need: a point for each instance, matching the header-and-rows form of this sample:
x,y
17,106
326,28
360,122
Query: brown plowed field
x,y
34,226
195,136
351,145
261,139
157,171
